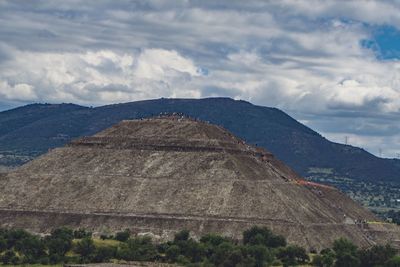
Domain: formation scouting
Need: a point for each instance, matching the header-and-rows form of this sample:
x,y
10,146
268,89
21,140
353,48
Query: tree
x,y
59,243
82,233
172,253
393,262
55,258
222,252
104,254
235,258
14,235
85,248
213,239
276,241
376,255
58,247
326,258
192,250
32,247
347,260
292,255
63,233
343,246
137,249
263,236
346,253
3,244
9,257
260,254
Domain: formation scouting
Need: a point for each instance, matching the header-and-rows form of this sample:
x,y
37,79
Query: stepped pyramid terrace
x,y
169,173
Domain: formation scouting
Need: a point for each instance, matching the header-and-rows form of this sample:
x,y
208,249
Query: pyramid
x,y
165,174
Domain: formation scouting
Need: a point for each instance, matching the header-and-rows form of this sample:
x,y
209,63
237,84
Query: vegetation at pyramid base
x,y
259,247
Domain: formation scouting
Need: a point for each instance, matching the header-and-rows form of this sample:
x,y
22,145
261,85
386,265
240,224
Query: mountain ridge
x,y
38,128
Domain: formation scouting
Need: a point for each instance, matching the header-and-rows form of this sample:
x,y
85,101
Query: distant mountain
x,y
33,129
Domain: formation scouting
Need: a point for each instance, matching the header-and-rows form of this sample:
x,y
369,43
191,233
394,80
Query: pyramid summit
x,y
169,173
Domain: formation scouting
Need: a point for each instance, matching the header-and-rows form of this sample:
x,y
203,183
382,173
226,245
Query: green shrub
x,y
183,260
58,246
263,236
261,255
347,260
260,247
346,253
63,233
182,236
194,251
104,254
236,257
85,248
222,252
376,255
81,233
172,253
213,239
44,261
292,255
9,257
14,235
3,244
123,236
104,237
56,258
32,247
393,262
59,243
326,258
137,249
343,246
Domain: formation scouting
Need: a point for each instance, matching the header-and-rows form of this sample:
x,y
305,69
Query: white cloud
x,y
156,64
353,94
303,56
20,91
96,77
316,85
367,11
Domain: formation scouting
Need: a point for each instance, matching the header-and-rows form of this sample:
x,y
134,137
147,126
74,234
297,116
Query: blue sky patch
x,y
385,42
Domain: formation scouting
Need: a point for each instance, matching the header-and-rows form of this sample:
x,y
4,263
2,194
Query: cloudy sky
x,y
333,65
